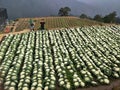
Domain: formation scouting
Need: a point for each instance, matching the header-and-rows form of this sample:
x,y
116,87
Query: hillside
x,y
22,25
82,58
55,22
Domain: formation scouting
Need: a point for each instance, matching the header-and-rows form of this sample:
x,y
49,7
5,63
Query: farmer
x,y
31,24
42,23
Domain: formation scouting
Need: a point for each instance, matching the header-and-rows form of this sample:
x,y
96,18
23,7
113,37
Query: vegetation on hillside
x,y
56,22
110,18
65,59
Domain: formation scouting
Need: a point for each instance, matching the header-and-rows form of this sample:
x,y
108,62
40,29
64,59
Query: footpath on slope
x,y
24,31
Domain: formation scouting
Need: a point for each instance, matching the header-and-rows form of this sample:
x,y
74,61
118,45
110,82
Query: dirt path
x,y
24,31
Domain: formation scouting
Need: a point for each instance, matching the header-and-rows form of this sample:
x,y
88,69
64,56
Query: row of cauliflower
x,y
65,59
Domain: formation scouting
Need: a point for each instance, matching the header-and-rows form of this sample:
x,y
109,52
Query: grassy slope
x,y
51,23
56,22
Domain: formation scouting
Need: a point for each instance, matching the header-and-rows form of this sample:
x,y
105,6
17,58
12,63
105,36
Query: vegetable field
x,y
60,59
55,22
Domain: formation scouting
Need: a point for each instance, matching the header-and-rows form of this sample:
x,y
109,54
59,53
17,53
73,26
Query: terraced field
x,y
67,59
56,22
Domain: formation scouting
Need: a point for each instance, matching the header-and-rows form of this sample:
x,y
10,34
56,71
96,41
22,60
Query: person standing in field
x,y
31,25
42,23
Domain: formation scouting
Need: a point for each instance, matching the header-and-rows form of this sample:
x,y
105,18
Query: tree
x,y
64,11
117,20
110,18
98,18
83,16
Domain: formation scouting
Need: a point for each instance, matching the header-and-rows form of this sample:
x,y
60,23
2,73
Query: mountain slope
x,y
57,22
